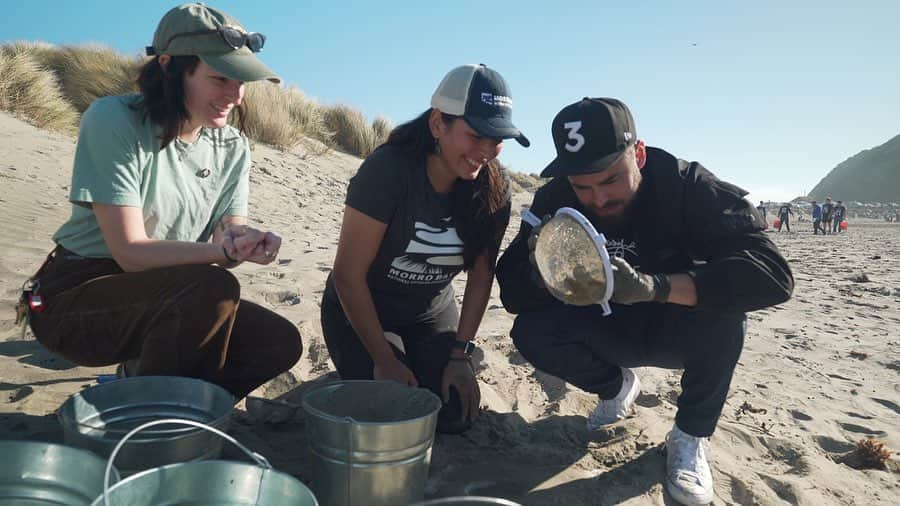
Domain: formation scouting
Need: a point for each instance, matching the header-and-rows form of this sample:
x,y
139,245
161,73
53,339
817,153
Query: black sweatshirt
x,y
682,220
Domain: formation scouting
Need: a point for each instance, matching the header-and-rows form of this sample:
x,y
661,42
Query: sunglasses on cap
x,y
235,39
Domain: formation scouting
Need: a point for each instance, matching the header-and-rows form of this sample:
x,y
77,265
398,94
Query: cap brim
x,y
497,128
240,65
560,167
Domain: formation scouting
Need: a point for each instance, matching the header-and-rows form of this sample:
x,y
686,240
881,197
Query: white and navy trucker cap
x,y
480,95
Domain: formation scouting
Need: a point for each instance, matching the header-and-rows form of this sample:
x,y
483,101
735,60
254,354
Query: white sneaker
x,y
688,478
612,410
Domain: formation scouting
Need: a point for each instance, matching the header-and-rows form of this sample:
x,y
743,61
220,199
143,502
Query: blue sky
x,y
769,95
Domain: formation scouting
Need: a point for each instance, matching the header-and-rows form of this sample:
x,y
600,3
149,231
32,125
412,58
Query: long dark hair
x,y
162,92
480,207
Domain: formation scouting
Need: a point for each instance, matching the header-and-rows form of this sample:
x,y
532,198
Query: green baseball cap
x,y
216,38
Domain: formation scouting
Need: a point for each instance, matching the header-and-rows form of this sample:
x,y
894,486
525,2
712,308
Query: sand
x,y
818,373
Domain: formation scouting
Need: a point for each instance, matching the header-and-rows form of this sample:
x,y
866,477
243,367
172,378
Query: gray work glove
x,y
532,243
631,286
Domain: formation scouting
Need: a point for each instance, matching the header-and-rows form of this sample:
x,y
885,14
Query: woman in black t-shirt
x,y
429,203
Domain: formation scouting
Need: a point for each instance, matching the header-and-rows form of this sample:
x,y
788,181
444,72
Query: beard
x,y
610,223
615,223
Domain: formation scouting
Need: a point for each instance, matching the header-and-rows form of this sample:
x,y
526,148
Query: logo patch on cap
x,y
496,100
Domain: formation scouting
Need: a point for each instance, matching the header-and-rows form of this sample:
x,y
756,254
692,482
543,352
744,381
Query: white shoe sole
x,y
689,500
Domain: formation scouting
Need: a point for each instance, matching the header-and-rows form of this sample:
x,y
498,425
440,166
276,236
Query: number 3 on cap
x,y
573,127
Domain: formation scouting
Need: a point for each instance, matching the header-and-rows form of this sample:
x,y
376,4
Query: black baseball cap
x,y
480,95
590,135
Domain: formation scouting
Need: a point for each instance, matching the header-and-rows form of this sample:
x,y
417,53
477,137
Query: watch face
x,y
466,346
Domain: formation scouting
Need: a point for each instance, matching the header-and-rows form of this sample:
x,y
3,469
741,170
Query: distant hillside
x,y
872,175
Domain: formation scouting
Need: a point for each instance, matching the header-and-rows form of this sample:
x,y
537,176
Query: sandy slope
x,y
817,373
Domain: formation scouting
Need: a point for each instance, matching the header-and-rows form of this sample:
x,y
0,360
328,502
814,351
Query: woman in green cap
x,y
159,191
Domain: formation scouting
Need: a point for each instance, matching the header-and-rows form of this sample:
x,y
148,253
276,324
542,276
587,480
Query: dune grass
x,y
281,118
50,86
85,73
381,127
521,182
352,133
30,92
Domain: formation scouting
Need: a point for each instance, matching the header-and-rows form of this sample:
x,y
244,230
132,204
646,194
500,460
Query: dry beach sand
x,y
817,373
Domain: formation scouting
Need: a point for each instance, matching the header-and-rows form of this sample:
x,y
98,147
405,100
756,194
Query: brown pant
x,y
185,320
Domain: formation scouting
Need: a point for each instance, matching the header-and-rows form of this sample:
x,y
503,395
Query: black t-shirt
x,y
421,251
839,212
827,211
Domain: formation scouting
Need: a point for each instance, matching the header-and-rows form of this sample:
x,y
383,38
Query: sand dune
x,y
817,373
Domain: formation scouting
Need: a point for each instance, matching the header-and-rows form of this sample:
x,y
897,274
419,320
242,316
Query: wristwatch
x,y
467,347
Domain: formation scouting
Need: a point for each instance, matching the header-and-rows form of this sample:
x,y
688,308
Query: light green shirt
x,y
183,190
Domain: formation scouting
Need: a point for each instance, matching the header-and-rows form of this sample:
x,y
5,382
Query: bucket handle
x,y
259,459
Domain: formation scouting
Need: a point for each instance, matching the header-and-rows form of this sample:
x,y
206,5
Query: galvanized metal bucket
x,y
211,482
371,442
34,474
96,419
468,501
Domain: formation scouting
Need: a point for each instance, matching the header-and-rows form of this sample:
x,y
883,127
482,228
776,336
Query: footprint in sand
x,y
648,400
888,404
831,445
21,393
859,429
782,489
516,358
844,378
790,454
672,396
286,297
742,490
799,415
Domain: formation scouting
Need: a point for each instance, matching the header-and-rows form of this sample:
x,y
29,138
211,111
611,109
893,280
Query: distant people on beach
x,y
690,258
159,193
817,218
762,212
429,203
784,216
827,215
840,214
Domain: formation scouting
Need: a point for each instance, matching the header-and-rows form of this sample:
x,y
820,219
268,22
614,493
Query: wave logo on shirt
x,y
433,255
